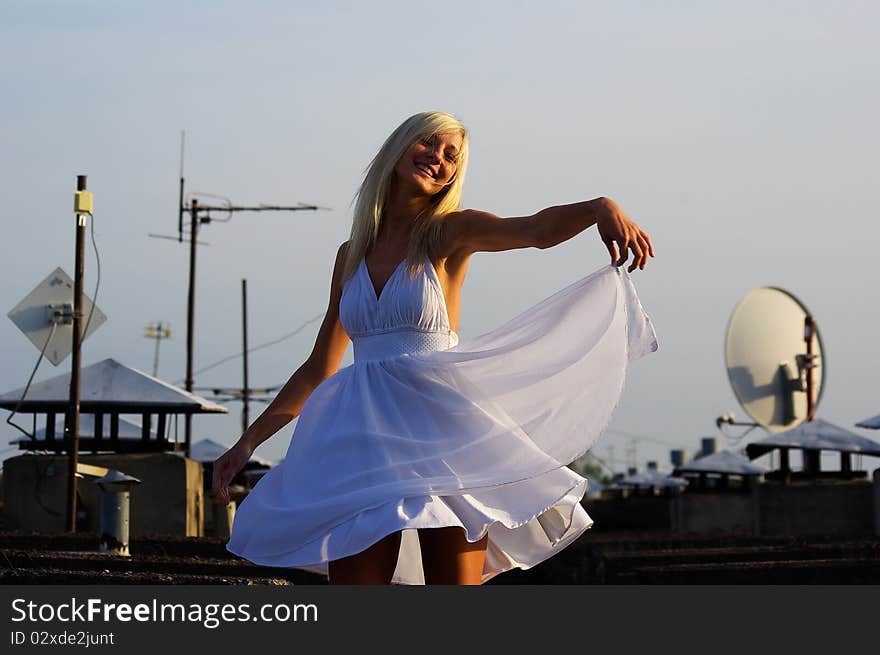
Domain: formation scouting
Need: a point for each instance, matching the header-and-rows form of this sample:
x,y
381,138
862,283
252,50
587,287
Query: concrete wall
x,y
633,513
169,500
820,508
717,512
841,508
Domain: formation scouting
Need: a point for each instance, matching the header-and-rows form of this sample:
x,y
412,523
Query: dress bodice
x,y
408,316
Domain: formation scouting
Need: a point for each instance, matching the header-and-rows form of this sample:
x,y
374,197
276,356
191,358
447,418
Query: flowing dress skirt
x,y
476,436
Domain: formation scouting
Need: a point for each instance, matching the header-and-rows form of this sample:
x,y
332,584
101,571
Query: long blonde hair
x,y
370,200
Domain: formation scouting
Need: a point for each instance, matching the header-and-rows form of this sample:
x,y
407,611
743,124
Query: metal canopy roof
x,y
724,462
651,478
110,386
816,435
872,423
208,450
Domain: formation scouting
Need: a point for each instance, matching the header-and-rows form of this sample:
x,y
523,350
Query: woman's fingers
x,y
612,249
648,241
638,255
620,234
624,250
646,250
221,479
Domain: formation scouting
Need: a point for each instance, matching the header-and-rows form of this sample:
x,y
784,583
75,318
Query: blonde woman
x,y
428,460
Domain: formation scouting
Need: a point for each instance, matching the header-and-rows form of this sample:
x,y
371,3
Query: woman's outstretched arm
x,y
477,231
323,362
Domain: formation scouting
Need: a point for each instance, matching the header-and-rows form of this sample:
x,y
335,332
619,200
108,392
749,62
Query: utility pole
x,y
190,311
82,208
244,393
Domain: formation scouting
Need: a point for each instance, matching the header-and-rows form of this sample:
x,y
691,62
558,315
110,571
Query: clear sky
x,y
743,137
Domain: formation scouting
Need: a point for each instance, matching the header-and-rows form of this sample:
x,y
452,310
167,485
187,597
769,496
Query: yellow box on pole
x,y
82,202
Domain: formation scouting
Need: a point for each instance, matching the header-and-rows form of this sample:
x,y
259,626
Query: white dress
x,y
421,431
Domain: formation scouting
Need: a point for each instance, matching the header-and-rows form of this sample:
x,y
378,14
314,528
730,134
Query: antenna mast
x,y
201,213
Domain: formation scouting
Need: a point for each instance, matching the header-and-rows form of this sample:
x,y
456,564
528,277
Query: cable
x,y
256,348
734,440
40,474
640,437
28,386
97,284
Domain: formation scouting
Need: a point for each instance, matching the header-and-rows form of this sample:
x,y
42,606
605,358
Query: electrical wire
x,y
641,437
299,329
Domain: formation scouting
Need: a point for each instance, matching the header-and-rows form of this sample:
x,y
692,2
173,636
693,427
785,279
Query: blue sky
x,y
741,136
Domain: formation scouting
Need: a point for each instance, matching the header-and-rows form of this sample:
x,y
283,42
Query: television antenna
x,y
206,212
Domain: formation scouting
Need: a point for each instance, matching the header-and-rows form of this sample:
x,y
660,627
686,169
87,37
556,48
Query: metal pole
x,y
190,313
72,422
245,390
808,337
156,351
180,201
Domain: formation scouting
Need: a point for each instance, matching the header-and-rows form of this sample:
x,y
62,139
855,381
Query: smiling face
x,y
429,163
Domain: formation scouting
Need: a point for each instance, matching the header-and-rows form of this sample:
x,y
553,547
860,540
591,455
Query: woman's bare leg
x,y
375,565
448,557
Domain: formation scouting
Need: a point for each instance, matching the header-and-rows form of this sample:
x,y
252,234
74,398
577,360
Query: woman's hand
x,y
227,467
620,235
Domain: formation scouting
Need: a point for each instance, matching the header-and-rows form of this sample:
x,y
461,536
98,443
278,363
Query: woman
x,y
428,460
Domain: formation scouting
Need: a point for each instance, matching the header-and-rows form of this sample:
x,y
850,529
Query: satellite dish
x,y
51,301
771,366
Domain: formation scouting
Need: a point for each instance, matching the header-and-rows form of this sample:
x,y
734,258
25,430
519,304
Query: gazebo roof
x,y
109,386
815,435
724,462
872,423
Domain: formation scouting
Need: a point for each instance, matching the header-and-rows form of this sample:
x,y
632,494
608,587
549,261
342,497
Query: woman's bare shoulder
x,y
339,264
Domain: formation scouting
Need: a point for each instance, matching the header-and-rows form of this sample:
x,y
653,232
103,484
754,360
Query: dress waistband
x,y
385,345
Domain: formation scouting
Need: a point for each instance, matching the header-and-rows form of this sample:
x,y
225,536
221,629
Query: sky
x,y
741,136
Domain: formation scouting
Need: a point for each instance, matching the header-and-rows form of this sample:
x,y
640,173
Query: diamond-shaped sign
x,y
53,296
